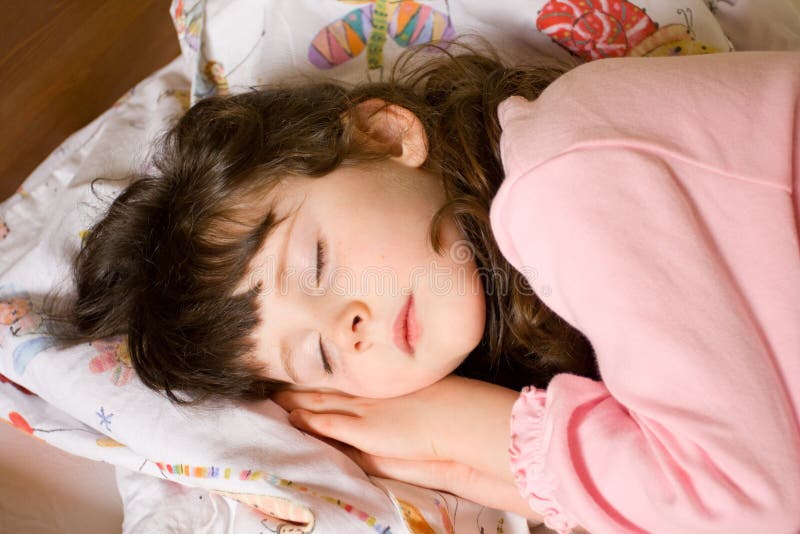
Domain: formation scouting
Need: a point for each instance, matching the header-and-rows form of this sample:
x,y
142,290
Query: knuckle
x,y
325,423
317,399
363,403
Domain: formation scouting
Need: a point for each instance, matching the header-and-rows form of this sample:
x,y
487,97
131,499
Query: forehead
x,y
282,203
278,204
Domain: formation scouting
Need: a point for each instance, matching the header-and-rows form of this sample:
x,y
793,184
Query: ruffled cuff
x,y
527,452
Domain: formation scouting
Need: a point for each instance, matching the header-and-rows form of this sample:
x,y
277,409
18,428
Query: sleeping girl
x,y
573,293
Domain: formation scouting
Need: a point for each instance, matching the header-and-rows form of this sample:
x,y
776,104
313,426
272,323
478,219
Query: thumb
x,y
341,427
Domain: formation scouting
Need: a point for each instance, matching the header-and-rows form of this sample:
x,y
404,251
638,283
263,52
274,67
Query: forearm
x,y
480,433
484,450
495,493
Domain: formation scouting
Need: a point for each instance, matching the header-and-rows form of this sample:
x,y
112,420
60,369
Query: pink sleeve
x,y
690,429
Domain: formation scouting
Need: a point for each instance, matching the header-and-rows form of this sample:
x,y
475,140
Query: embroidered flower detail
x,y
108,443
18,421
105,418
114,356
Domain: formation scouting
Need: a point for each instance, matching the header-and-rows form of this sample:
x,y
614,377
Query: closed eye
x,y
322,248
326,364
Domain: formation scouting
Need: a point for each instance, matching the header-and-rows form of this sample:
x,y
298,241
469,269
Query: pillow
x,y
231,45
759,24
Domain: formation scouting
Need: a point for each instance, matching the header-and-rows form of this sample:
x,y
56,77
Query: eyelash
x,y
321,256
325,363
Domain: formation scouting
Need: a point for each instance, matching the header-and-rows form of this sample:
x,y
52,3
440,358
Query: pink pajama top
x,y
653,204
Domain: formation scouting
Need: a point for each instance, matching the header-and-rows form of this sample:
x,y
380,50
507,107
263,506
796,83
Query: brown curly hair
x,y
163,264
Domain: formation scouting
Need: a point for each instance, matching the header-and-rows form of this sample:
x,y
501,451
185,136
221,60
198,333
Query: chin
x,y
418,385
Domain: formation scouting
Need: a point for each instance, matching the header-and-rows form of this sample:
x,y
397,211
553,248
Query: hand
x,y
456,419
449,476
392,428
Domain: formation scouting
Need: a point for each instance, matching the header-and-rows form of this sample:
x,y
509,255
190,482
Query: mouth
x,y
406,331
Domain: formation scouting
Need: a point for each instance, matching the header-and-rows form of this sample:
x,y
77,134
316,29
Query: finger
x,y
358,431
452,477
315,401
341,427
336,444
347,429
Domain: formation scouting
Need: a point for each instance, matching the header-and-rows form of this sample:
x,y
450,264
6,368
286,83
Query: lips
x,y
405,330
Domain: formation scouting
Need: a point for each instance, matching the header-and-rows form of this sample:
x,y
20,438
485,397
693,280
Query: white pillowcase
x,y
235,44
760,24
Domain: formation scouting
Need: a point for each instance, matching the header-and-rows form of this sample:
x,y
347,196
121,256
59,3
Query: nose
x,y
348,328
345,323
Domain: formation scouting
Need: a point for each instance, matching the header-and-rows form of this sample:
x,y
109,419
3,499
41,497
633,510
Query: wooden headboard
x,y
64,63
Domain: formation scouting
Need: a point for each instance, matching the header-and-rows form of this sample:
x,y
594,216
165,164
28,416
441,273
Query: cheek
x,y
385,382
475,309
460,314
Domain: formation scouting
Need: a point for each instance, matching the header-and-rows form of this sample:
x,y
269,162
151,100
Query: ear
x,y
394,129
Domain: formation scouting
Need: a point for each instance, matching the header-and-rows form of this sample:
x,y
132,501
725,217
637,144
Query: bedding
x,y
233,467
228,49
759,24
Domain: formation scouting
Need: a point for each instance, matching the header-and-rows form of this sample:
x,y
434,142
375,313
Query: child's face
x,y
374,219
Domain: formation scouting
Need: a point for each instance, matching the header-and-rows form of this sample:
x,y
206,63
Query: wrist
x,y
478,433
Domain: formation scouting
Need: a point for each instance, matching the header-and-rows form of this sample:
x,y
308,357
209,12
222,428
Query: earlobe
x,y
394,128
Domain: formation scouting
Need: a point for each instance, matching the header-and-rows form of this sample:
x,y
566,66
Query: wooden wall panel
x,y
63,63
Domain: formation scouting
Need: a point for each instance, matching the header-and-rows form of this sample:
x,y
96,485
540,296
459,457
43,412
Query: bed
x,y
74,455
